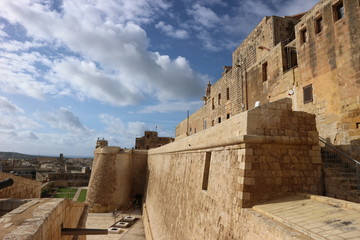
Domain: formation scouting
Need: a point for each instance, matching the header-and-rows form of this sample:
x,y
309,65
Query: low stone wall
x,y
42,219
199,186
22,187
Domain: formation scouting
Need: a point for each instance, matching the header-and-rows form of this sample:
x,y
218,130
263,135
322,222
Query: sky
x,y
72,71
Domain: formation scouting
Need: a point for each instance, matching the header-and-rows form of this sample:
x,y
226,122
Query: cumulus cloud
x,y
171,31
7,106
169,107
125,132
204,16
113,49
63,119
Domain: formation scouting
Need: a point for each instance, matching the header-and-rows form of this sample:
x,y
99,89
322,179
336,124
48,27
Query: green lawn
x,y
67,190
82,195
65,195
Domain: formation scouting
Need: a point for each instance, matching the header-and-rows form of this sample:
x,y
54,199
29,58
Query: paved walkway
x,y
105,220
319,217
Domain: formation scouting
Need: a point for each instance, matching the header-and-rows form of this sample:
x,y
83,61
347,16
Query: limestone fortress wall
x,y
204,185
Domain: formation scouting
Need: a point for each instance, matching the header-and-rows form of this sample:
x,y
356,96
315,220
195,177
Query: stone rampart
x,y
43,219
199,186
117,176
22,187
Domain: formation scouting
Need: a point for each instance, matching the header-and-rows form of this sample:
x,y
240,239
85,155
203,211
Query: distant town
x,y
53,172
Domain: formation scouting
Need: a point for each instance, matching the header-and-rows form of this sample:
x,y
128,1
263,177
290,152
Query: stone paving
x,y
105,220
318,217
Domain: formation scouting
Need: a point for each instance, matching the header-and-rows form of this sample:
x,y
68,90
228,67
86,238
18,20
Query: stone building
x,y
151,140
313,58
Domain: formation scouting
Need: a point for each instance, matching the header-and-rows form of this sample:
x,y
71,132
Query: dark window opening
x,y
219,98
228,116
291,58
147,147
303,36
308,94
213,103
227,93
195,130
264,72
358,125
338,11
205,182
219,120
148,136
319,24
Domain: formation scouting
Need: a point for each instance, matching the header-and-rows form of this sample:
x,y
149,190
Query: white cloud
x,y
63,119
115,64
125,133
170,107
171,32
204,16
7,106
18,74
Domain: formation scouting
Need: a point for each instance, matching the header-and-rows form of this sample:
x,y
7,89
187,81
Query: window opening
x,y
219,98
319,24
213,103
228,116
291,58
308,94
227,93
205,182
219,120
264,71
303,36
338,11
204,124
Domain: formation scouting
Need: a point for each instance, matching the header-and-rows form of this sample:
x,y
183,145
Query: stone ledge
x,y
188,144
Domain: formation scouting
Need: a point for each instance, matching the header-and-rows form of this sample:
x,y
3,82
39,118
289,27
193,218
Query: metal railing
x,y
343,165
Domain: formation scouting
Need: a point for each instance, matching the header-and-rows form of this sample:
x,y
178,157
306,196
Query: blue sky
x,y
73,71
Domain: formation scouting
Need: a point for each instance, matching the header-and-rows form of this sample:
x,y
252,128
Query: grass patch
x,y
67,190
64,195
82,195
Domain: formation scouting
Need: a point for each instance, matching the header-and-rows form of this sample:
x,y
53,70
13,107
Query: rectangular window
x,y
219,98
303,36
264,72
228,116
219,120
213,103
308,93
291,58
212,123
227,93
338,11
204,124
319,24
206,174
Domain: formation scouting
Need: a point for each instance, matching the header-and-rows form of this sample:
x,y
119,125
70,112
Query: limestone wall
x,y
42,219
117,176
22,187
329,61
199,185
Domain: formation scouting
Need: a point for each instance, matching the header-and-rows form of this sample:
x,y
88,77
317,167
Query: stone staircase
x,y
341,174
